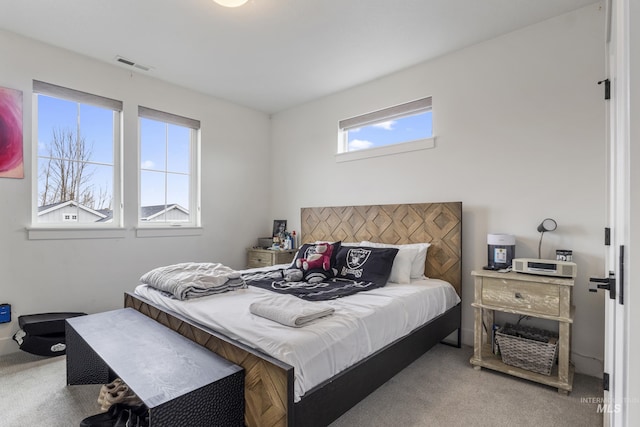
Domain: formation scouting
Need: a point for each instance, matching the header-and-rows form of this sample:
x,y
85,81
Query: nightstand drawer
x,y
283,257
259,259
266,257
539,298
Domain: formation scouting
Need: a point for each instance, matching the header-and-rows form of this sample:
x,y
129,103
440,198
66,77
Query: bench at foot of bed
x,y
180,382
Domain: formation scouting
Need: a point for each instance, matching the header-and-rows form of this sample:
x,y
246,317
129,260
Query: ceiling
x,y
271,55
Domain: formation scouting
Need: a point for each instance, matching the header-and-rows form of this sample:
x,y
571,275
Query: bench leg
x,y
220,404
83,364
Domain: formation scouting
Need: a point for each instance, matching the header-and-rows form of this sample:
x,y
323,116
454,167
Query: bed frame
x,y
269,382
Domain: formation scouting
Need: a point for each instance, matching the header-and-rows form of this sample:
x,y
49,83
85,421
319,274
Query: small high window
x,y
408,127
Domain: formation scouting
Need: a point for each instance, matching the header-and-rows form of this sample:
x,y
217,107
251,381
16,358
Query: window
x,y
78,168
169,169
404,127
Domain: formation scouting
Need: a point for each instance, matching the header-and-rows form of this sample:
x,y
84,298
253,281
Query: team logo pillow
x,y
365,264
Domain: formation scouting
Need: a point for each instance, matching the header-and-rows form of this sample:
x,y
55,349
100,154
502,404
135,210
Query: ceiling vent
x,y
133,64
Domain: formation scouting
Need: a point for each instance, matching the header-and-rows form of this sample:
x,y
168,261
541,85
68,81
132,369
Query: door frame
x,y
616,363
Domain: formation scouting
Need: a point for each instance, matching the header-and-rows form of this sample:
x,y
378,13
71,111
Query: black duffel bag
x,y
43,334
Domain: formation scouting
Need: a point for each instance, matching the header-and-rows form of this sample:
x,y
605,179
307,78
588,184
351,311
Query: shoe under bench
x,y
180,382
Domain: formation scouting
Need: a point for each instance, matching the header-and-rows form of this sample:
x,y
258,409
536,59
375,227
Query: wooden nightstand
x,y
268,257
524,294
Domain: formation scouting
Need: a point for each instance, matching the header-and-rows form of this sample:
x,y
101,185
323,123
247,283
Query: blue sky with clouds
x,y
403,129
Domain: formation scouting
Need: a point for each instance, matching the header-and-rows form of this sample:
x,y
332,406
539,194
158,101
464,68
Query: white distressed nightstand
x,y
524,294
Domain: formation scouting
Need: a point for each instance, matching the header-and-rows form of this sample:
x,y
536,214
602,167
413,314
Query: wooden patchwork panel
x,y
437,223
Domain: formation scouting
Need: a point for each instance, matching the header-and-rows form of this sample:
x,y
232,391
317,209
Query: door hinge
x,y
605,381
621,278
607,236
607,88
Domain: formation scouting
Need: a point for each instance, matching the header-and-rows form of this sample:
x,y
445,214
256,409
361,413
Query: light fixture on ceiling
x,y
547,224
230,3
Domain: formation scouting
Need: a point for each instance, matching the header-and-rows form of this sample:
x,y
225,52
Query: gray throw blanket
x,y
192,280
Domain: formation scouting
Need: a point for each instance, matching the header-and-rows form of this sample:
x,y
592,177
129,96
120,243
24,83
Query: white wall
x,y
519,122
91,275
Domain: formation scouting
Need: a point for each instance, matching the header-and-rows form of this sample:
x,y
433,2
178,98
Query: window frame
x,y
386,114
152,228
76,229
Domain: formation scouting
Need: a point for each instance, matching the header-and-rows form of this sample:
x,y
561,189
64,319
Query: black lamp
x,y
547,224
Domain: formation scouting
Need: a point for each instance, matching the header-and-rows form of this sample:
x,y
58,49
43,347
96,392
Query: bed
x,y
272,393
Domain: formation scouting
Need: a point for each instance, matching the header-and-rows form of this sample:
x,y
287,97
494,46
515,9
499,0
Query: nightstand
x,y
267,257
523,294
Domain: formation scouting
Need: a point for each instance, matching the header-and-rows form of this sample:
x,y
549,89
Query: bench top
x,y
156,362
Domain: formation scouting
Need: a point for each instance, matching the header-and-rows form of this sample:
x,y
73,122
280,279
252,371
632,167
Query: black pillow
x,y
365,263
310,248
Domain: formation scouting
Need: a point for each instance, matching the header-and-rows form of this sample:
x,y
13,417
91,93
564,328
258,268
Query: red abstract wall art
x,y
11,157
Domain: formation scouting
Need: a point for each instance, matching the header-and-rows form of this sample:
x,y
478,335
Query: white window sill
x,y
168,231
42,233
405,147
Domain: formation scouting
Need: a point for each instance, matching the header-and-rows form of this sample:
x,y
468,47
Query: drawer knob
x,y
518,295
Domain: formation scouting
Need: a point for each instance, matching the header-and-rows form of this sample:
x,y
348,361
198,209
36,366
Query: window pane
x,y
97,130
178,150
153,144
178,190
46,183
395,131
97,189
54,115
152,188
65,180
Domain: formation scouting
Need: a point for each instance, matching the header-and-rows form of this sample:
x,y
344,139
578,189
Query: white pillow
x,y
418,262
341,243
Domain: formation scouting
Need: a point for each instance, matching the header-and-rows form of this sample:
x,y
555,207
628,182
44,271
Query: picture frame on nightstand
x,y
279,227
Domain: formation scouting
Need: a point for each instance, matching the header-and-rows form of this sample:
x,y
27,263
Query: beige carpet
x,y
442,389
439,389
33,393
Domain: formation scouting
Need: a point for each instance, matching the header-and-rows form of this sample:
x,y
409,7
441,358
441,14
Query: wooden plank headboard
x,y
437,223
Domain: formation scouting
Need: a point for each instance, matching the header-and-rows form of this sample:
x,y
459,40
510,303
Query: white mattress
x,y
362,324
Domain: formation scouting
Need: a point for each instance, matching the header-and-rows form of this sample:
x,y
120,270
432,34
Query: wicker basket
x,y
528,348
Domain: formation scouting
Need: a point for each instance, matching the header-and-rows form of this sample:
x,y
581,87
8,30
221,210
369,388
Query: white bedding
x,y
361,324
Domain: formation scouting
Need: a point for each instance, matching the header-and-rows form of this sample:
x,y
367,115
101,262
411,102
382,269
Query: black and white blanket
x,y
328,289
